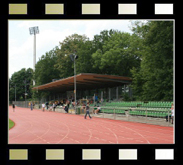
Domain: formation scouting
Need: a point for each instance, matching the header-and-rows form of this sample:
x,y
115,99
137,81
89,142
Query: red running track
x,y
37,127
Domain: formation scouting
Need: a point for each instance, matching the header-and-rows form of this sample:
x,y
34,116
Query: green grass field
x,y
11,124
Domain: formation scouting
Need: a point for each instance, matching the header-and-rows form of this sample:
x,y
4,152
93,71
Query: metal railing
x,y
157,116
25,104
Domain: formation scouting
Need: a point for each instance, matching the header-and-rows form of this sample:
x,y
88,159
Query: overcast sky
x,y
51,33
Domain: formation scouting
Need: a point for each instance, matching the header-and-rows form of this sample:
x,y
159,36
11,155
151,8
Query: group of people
x,y
52,107
96,100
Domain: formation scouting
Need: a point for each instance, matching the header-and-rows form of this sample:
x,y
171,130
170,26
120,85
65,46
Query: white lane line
x,y
109,130
114,124
47,122
68,130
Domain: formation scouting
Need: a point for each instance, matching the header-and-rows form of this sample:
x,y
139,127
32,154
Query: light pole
x,y
34,30
15,94
25,91
73,58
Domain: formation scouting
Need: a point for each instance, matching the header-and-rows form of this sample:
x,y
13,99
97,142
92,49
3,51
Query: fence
x,y
158,116
25,104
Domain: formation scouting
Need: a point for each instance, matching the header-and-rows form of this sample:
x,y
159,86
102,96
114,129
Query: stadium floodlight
x,y
71,57
34,31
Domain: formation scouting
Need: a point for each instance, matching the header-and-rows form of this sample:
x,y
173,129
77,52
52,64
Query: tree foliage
x,y
21,82
154,79
79,45
118,55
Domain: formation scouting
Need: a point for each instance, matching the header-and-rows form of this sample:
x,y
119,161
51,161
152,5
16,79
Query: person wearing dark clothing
x,y
59,103
46,105
97,102
167,117
31,106
87,111
13,107
68,103
54,106
66,108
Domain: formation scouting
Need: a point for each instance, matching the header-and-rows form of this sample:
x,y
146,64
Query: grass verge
x,y
11,124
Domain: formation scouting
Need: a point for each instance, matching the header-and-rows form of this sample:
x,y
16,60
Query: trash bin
x,y
78,111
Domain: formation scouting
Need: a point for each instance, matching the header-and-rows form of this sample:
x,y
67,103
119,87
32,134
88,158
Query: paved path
x,y
37,127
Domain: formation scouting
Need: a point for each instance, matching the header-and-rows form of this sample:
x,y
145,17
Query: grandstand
x,y
108,88
137,108
137,111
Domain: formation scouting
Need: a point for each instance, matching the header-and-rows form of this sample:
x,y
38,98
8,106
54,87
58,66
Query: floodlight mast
x,y
34,30
73,58
75,84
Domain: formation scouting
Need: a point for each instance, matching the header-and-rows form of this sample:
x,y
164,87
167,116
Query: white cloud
x,y
30,23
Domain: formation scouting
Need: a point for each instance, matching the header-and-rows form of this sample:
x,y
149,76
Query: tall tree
x,y
23,81
78,44
157,62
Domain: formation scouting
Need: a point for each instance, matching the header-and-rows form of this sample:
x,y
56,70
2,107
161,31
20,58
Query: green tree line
x,y
146,55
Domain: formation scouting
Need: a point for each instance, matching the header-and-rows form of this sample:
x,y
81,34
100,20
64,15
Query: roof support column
x,y
106,91
109,94
130,92
101,97
94,96
116,93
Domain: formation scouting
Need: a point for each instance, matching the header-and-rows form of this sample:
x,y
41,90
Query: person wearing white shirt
x,y
172,113
43,106
97,110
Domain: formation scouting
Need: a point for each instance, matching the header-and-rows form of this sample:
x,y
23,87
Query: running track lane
x,y
37,127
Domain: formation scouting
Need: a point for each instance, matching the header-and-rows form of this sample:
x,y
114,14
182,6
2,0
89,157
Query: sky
x,y
51,32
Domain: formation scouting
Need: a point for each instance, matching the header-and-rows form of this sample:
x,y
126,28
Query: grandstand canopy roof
x,y
85,81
